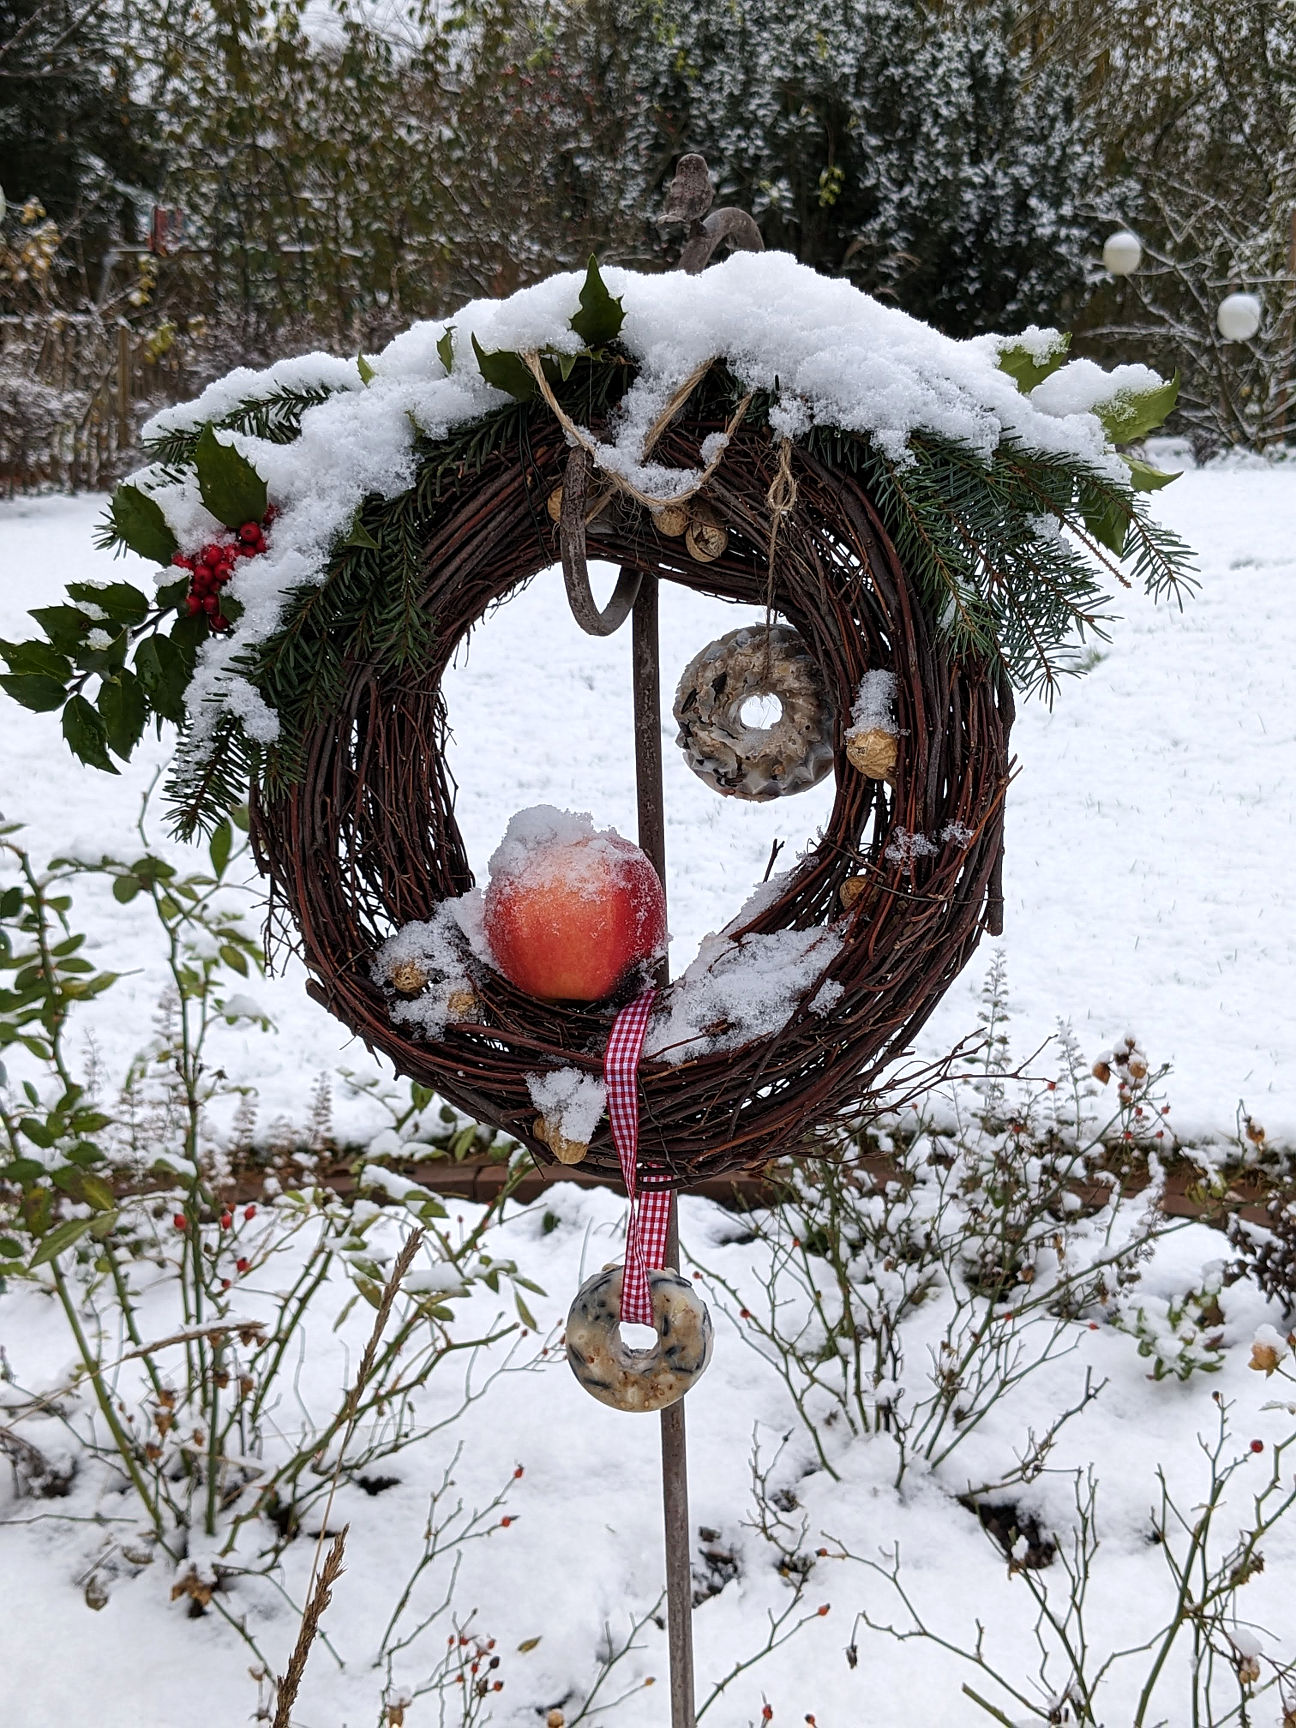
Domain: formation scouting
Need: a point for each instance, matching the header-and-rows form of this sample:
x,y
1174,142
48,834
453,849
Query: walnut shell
x,y
706,536
408,977
850,891
873,752
672,520
463,1005
564,1150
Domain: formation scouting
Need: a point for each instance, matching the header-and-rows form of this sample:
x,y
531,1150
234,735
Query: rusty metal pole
x,y
652,840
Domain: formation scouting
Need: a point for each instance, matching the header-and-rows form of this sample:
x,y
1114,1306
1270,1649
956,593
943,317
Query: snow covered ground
x,y
1149,888
1149,880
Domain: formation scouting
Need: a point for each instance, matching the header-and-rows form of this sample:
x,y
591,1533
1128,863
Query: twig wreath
x,y
927,521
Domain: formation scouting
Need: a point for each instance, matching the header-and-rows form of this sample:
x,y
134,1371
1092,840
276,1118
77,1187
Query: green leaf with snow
x,y
137,521
365,370
445,349
66,626
506,371
1024,366
122,601
231,487
601,316
1132,414
1144,477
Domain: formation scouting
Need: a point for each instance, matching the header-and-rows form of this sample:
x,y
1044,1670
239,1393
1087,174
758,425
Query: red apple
x,y
568,918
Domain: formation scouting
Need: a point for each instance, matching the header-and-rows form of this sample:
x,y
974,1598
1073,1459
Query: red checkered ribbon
x,y
649,1209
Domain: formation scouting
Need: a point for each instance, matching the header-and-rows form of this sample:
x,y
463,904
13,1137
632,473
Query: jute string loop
x,y
781,501
678,398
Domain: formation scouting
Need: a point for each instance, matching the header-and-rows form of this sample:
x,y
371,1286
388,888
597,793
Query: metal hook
x,y
571,539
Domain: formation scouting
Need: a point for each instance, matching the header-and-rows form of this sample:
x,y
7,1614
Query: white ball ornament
x,y
1122,253
1238,317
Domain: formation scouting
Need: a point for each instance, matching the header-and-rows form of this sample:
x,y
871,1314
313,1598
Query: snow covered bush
x,y
1212,1550
189,1307
1268,1254
917,1276
913,155
1180,1335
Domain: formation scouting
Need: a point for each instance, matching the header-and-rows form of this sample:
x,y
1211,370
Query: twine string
x,y
781,501
678,398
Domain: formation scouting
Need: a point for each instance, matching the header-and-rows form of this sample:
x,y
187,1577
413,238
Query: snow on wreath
x,y
285,505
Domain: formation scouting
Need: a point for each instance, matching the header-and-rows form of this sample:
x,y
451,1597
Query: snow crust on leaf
x,y
1082,386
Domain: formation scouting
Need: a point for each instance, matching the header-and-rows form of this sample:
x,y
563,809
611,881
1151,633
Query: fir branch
x,y
276,417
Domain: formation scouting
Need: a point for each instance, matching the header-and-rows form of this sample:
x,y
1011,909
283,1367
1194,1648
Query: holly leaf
x,y
86,734
1134,413
137,521
365,370
600,317
107,660
66,627
445,349
231,487
1025,369
188,634
1107,519
123,602
173,594
38,657
164,673
1144,477
35,691
124,711
506,371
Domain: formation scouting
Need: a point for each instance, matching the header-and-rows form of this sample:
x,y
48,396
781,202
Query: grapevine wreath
x,y
925,522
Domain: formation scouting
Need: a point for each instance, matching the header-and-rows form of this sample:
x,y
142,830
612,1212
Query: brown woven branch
x,y
368,841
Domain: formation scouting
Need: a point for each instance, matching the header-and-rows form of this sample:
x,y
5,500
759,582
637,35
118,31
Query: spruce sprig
x,y
276,417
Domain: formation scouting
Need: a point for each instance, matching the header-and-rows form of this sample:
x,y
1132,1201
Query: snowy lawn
x,y
1148,889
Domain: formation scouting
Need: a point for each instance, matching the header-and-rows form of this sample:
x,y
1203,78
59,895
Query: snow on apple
x,y
571,910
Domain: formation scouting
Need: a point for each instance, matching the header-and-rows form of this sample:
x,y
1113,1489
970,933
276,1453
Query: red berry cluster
x,y
212,568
